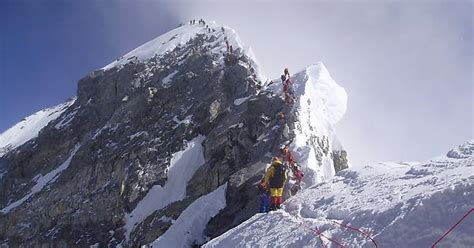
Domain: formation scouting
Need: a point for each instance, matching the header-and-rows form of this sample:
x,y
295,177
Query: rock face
x,y
77,181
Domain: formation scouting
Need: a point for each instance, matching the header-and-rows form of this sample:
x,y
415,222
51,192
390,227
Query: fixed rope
x,y
355,229
359,230
452,228
318,232
291,161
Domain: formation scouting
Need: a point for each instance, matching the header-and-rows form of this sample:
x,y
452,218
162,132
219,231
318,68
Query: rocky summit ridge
x,y
179,123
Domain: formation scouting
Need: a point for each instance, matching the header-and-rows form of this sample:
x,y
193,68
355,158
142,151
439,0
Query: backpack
x,y
278,179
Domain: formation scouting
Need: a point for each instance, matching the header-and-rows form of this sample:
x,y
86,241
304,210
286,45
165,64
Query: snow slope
x,y
160,45
41,182
29,127
182,167
320,103
180,36
398,204
188,229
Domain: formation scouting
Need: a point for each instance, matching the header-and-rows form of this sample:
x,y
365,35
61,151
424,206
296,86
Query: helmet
x,y
276,160
281,115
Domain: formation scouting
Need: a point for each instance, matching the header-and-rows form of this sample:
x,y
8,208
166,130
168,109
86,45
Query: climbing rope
x,y
291,161
359,230
452,228
355,229
317,231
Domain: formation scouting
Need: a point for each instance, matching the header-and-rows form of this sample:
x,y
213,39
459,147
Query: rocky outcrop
x,y
116,142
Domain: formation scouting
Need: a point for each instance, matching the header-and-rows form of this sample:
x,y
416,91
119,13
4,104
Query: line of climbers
x,y
287,89
200,22
229,47
203,23
229,50
272,185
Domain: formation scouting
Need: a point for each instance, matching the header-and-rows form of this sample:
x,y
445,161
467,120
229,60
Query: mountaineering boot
x,y
279,201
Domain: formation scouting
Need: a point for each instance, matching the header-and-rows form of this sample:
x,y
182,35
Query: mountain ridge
x,y
93,174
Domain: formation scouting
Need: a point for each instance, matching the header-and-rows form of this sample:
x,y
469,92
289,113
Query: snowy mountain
x,y
29,127
384,205
163,146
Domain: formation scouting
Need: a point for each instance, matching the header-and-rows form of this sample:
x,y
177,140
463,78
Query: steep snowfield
x,y
397,204
188,229
29,127
180,36
159,45
320,103
182,167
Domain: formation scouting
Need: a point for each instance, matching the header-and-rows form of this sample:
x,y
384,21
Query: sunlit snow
x,y
397,204
182,167
189,227
29,127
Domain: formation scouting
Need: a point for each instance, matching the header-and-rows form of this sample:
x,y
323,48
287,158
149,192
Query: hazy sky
x,y
406,65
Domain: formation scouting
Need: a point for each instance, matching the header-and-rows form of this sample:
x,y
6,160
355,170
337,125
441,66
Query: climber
x,y
286,84
229,54
283,82
283,79
264,197
288,91
298,177
281,116
227,44
284,128
295,170
288,155
275,178
285,88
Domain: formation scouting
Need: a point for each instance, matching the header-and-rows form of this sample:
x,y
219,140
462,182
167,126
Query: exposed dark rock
x,y
126,123
340,160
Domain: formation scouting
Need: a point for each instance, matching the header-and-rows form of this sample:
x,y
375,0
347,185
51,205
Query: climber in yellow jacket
x,y
275,178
